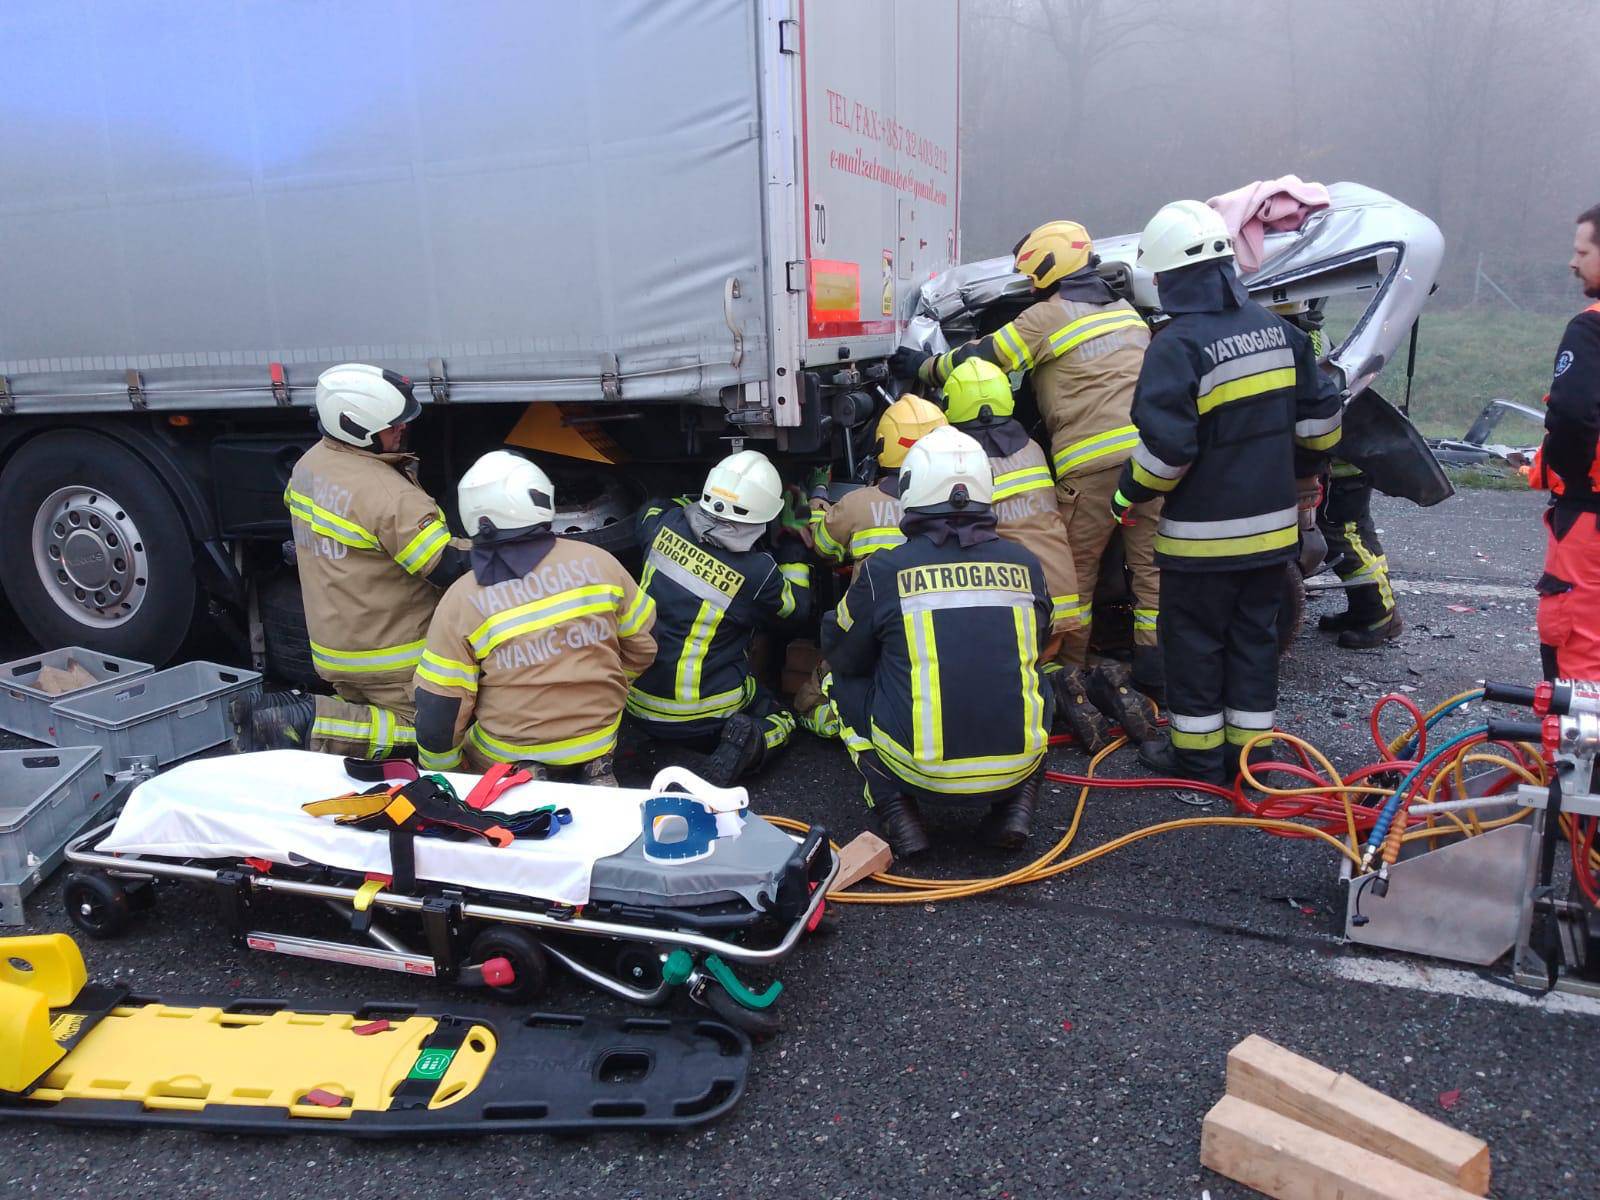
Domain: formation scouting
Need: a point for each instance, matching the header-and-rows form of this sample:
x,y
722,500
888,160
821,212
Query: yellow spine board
x,y
186,1058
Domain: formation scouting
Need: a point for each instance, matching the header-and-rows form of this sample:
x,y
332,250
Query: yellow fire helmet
x,y
1053,251
902,423
974,385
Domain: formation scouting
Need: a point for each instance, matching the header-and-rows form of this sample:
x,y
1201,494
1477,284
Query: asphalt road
x,y
1063,1039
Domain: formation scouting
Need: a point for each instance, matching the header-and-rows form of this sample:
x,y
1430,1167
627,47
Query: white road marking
x,y
1447,981
1465,587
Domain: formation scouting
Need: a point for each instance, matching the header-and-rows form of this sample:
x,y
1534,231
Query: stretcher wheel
x,y
530,965
96,905
758,1023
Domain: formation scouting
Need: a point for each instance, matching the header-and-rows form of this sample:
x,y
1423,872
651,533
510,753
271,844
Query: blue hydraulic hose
x,y
1391,806
1411,742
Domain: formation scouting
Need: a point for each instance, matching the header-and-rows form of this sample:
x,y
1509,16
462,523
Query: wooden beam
x,y
1286,1160
1266,1074
866,854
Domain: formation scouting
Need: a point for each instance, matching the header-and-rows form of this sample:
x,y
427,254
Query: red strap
x,y
496,781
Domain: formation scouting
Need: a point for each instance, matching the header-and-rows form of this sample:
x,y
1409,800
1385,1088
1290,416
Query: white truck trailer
x,y
618,232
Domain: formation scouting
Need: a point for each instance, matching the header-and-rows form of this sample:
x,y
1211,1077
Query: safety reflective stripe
x,y
640,613
1195,733
794,575
334,727
382,731
660,708
1073,334
557,754
1344,470
1070,457
541,614
1154,472
841,614
1222,539
1244,378
1032,698
927,703
1320,433
1242,725
990,773
440,760
827,546
692,658
1245,365
448,672
384,658
1374,567
1027,479
971,598
659,563
779,729
1072,609
419,551
866,542
1145,618
1008,340
329,524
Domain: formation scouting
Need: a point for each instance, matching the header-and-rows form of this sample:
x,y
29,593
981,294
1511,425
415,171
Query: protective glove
x,y
906,361
795,515
817,482
1120,506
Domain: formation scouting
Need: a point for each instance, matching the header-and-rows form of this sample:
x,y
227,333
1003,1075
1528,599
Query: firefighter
x,y
529,655
979,402
935,656
1371,616
714,584
1568,464
861,522
1083,345
1232,412
373,553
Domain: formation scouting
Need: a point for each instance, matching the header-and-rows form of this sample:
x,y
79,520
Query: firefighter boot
x,y
1370,637
1009,822
739,751
277,722
1159,755
599,772
1149,672
1082,717
1364,608
1110,689
900,822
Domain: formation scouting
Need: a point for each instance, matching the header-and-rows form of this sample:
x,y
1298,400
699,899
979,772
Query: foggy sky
x,y
1481,113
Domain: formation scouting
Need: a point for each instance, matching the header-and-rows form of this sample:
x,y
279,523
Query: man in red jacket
x,y
1569,465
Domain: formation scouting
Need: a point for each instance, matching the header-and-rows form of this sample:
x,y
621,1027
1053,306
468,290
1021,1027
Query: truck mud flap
x,y
380,1071
1379,439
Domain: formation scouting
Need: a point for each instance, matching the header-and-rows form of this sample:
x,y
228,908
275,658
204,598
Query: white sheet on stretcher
x,y
248,806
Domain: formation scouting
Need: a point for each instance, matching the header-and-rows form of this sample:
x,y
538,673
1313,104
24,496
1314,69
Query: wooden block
x,y
866,854
1266,1074
1284,1159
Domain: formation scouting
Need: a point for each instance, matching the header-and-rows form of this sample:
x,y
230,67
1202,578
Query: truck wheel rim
x,y
90,556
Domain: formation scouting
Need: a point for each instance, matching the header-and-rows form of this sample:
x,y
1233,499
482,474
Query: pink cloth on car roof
x,y
1266,206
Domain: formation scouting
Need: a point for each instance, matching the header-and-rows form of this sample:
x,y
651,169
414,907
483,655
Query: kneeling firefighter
x,y
979,402
1232,412
714,584
935,655
528,657
373,553
858,524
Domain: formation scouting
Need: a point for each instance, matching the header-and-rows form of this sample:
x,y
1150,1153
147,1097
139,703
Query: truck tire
x,y
97,552
283,624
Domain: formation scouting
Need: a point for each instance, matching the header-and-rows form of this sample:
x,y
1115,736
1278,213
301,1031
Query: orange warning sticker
x,y
835,290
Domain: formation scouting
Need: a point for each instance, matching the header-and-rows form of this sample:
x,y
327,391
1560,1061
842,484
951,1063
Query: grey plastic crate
x,y
25,709
170,714
46,797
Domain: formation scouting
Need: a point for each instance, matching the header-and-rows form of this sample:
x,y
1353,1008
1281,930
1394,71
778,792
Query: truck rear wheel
x,y
98,554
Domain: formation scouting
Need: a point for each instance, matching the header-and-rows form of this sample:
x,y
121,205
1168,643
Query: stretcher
x,y
591,898
93,1054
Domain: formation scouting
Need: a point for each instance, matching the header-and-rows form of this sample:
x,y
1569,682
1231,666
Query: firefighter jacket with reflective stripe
x,y
366,537
1569,461
1026,512
709,602
541,663
950,638
859,523
1231,408
1085,360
